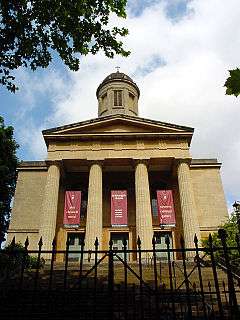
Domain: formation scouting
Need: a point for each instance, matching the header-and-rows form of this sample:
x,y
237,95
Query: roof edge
x,y
117,116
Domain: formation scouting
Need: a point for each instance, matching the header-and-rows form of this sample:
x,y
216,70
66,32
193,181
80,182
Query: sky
x,y
181,51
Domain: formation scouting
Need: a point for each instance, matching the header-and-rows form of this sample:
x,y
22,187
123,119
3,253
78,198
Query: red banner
x,y
119,207
166,211
72,208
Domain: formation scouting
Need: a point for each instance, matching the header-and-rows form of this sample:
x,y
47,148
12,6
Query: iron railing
x,y
120,284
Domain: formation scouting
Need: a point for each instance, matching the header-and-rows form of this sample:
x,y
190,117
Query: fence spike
x,y
67,243
124,242
153,241
167,240
138,242
210,240
82,243
13,242
40,243
110,244
195,239
182,242
54,242
96,243
26,244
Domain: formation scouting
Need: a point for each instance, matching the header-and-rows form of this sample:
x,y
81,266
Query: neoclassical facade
x,y
117,155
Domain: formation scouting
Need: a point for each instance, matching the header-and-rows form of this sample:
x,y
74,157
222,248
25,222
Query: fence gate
x,y
120,283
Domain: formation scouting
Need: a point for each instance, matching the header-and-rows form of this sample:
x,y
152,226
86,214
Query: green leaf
x,y
31,31
233,83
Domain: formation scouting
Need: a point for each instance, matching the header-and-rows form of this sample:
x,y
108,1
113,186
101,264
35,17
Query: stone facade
x,y
117,151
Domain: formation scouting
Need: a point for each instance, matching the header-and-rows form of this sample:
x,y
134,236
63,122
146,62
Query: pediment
x,y
117,124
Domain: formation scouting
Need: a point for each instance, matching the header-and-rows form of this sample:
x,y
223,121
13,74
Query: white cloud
x,y
198,50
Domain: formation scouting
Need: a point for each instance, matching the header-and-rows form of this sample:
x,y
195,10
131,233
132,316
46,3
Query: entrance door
x,y
160,244
117,239
75,240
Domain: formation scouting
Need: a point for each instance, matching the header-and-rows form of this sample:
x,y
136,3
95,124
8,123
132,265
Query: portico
x,y
140,177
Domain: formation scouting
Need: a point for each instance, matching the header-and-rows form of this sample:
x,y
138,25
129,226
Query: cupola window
x,y
117,98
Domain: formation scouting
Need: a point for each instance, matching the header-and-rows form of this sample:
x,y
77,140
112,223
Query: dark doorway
x,y
161,245
75,239
117,239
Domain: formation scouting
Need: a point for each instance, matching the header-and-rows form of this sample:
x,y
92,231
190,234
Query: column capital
x,y
57,163
180,161
92,162
140,161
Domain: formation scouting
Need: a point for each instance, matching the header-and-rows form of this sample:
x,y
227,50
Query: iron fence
x,y
120,284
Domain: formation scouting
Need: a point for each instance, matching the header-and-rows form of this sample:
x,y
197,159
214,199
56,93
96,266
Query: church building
x,y
118,176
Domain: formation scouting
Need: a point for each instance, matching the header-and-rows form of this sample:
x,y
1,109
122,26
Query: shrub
x,y
14,256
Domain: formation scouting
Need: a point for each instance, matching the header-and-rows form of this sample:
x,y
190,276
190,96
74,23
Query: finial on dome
x,y
117,68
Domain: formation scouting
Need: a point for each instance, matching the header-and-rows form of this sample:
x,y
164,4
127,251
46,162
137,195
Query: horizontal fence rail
x,y
180,283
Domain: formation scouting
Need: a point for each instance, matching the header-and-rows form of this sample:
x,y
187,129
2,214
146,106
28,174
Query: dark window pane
x,y
154,208
83,211
117,97
120,98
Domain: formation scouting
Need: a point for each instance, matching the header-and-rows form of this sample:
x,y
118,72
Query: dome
x,y
117,76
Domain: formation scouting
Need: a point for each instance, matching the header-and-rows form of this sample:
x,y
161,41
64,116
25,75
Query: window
x,y
83,210
117,98
131,100
154,207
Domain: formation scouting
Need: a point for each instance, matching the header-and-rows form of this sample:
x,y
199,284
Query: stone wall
x,y
27,208
209,198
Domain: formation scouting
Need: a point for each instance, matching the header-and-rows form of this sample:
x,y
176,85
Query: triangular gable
x,y
118,124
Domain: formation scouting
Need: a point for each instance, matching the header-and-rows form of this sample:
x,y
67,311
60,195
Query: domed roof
x,y
117,76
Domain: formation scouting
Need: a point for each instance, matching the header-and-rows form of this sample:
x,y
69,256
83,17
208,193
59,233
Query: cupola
x,y
117,94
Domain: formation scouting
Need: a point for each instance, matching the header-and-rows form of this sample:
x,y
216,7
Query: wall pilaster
x,y
50,204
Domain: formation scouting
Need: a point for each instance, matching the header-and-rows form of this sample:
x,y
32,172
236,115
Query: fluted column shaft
x,y
188,208
50,204
94,207
144,227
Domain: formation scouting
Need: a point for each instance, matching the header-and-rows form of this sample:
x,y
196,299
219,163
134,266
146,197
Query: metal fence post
x,y
24,262
167,242
200,275
186,277
40,244
215,277
232,294
110,279
54,243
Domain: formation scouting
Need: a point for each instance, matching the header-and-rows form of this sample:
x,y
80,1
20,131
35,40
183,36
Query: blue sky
x,y
181,51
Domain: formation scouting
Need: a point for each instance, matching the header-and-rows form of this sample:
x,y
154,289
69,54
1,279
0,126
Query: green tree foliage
x,y
231,228
14,256
31,30
8,164
233,83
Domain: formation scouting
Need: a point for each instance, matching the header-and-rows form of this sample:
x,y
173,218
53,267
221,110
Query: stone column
x,y
144,227
188,208
94,207
49,210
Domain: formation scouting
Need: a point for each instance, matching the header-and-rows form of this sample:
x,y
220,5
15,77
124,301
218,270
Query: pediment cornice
x,y
123,126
